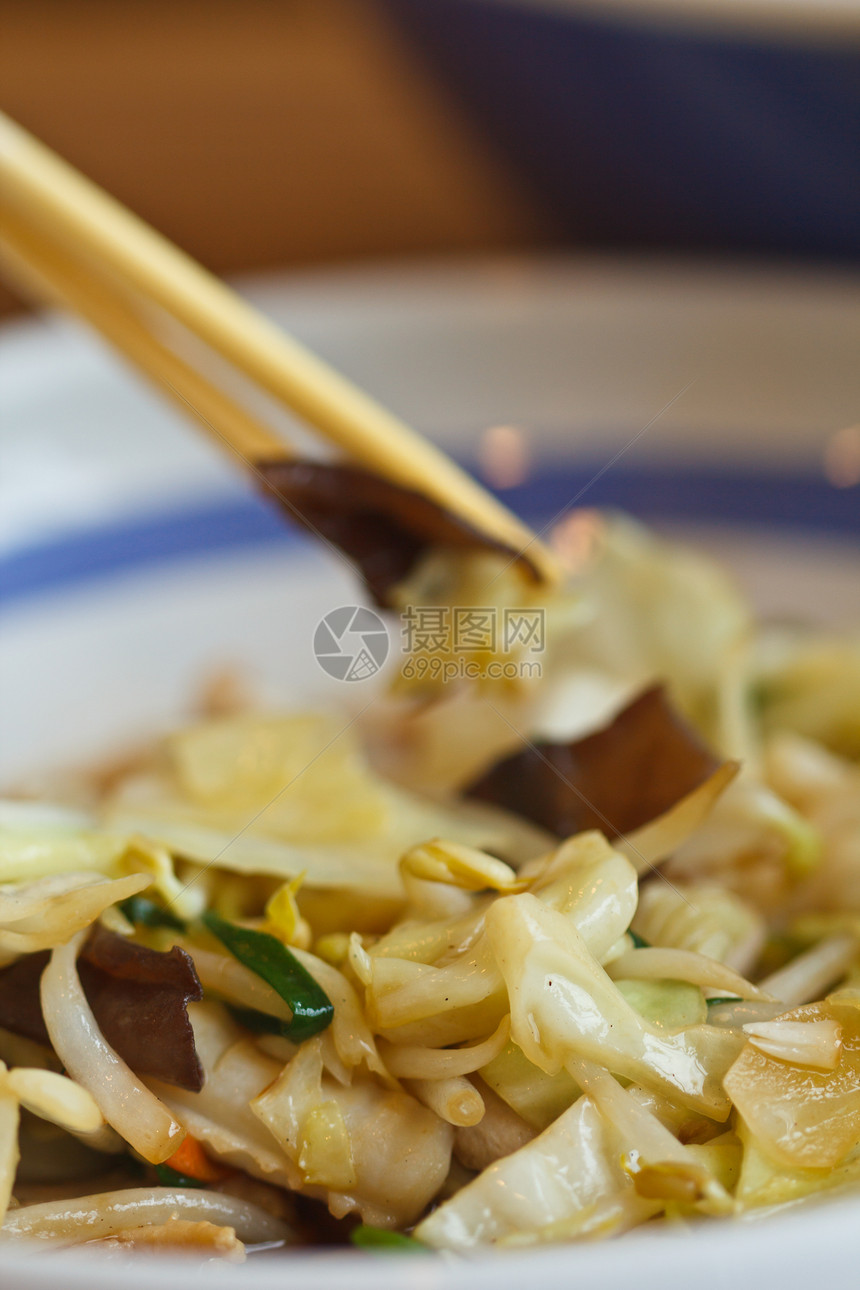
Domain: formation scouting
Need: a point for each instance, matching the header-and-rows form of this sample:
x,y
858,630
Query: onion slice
x,y
47,912
86,1218
656,963
135,1112
817,1044
808,976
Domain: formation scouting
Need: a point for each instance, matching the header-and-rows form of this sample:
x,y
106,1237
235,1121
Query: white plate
x,y
580,352
125,582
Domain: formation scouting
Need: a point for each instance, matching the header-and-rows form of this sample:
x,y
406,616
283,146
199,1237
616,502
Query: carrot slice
x,y
190,1159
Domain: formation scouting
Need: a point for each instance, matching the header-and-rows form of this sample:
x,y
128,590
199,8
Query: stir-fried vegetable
x,y
378,1238
624,987
142,912
311,1008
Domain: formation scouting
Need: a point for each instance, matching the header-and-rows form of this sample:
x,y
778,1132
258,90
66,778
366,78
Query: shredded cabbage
x,y
513,1038
560,1175
394,1152
799,1115
563,1005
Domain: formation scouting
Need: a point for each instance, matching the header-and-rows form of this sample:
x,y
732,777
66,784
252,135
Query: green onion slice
x,y
311,1007
379,1238
170,1178
143,912
259,1023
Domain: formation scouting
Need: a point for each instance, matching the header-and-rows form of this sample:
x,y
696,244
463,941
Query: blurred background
x,y
264,133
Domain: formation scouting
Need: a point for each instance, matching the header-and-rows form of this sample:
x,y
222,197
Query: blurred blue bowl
x,y
697,124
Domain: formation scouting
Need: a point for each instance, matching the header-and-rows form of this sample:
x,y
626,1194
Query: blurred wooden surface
x,y
260,132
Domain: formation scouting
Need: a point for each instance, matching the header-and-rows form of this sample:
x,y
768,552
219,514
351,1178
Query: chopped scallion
x,y
311,1007
170,1178
142,912
259,1023
379,1238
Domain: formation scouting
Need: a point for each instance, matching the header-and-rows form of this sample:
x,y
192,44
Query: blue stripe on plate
x,y
229,524
773,501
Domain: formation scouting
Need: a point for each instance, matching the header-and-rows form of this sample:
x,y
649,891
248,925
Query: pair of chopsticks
x,y
67,242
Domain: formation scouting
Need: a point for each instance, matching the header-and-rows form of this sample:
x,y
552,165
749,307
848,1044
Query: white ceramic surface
x,y
580,353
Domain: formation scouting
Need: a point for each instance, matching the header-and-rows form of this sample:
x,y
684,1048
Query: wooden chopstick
x,y
100,237
52,276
